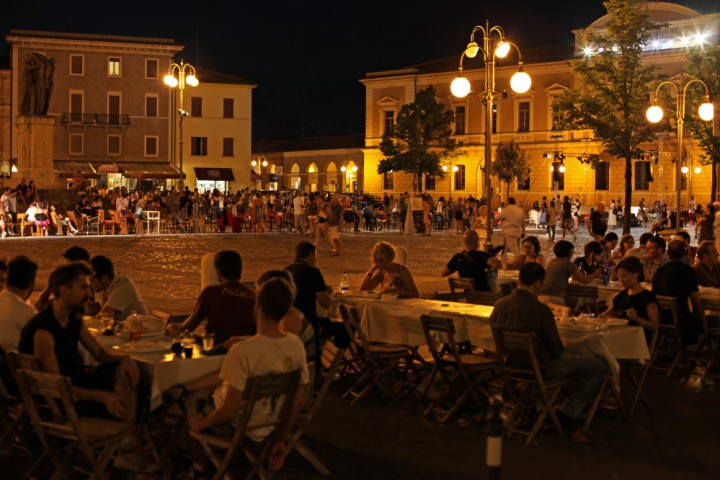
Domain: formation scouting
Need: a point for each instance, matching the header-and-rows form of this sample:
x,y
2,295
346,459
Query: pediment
x,y
557,87
388,102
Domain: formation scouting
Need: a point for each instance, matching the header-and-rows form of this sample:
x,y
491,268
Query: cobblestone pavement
x,y
167,267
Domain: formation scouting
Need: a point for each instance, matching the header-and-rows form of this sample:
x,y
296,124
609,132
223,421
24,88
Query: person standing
x,y
513,226
335,222
299,213
551,220
567,220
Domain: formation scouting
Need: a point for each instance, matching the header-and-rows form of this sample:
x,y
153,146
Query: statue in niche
x,y
37,71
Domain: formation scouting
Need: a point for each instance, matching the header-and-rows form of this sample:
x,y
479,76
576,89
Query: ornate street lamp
x,y
258,161
494,45
185,76
655,113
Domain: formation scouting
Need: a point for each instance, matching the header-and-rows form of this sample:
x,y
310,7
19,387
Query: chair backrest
x,y
101,215
351,320
516,354
439,331
581,295
669,316
263,387
458,284
482,298
712,307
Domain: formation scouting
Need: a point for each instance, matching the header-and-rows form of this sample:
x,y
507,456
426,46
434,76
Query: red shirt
x,y
228,308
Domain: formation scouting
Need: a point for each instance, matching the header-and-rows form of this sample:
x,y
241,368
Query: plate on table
x,y
616,322
145,346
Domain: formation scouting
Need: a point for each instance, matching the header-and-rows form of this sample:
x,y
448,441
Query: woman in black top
x,y
635,303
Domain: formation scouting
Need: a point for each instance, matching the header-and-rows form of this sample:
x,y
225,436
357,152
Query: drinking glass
x,y
208,341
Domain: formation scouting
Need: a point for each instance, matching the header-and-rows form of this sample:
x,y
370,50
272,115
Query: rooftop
x,y
91,37
309,143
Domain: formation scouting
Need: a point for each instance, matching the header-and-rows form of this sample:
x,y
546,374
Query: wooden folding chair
x,y
461,373
460,285
577,296
639,383
712,335
670,337
482,298
62,433
14,420
221,449
521,370
376,361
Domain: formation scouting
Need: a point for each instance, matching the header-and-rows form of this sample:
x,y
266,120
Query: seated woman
x,y
559,271
393,277
626,247
635,303
663,223
609,243
593,259
531,253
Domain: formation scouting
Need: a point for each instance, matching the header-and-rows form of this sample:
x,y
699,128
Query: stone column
x,y
36,153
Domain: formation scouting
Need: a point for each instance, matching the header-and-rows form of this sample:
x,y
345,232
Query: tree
x,y
705,65
510,163
614,87
421,138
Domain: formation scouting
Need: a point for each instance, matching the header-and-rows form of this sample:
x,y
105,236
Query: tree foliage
x,y
705,65
614,84
421,139
510,163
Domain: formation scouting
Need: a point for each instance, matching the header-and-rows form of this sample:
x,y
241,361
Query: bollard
x,y
493,456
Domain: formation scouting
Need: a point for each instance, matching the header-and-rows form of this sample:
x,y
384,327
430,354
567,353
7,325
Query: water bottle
x,y
134,325
606,274
344,283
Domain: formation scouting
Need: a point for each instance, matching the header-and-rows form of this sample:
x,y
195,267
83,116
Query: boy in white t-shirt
x,y
271,351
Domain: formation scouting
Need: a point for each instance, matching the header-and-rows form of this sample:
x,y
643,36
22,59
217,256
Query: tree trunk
x,y
628,195
713,183
508,192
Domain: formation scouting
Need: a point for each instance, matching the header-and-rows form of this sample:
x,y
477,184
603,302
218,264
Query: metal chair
x,y
458,285
713,335
152,216
577,296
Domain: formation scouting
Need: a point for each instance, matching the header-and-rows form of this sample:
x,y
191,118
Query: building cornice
x,y
71,44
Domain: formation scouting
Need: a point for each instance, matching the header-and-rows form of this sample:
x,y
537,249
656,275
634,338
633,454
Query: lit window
x,y
113,66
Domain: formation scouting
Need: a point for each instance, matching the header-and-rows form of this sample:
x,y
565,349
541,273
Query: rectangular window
x,y
524,184
198,146
76,106
389,122
388,183
460,120
602,176
151,105
460,178
228,147
558,177
524,117
228,108
113,145
114,67
113,109
196,107
77,66
430,182
643,176
75,146
151,146
151,68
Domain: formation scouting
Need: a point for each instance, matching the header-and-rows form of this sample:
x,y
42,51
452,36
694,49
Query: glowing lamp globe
x,y
502,50
520,82
562,169
706,111
170,81
698,170
472,50
455,168
684,170
460,87
192,80
654,114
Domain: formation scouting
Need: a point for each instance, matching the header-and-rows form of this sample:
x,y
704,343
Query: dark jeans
x,y
589,370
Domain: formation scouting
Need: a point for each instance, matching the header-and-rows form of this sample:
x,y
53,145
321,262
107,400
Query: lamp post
x,y
494,45
259,161
185,76
655,113
454,169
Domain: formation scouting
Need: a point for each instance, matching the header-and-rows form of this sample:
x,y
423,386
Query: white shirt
x,y
122,295
299,205
30,214
257,356
513,218
14,314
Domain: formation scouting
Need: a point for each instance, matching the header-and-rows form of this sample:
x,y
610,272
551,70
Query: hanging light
x,y
684,170
698,170
706,111
520,82
502,49
460,87
654,114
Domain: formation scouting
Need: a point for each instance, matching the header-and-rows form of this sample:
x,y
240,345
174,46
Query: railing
x,y
102,119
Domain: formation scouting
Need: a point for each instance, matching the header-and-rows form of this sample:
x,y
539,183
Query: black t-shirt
x,y
473,265
640,301
586,267
66,342
597,223
566,211
309,281
677,279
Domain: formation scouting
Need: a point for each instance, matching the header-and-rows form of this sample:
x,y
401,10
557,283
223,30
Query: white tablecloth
x,y
429,286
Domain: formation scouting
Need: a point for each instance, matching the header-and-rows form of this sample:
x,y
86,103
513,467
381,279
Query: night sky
x,y
307,56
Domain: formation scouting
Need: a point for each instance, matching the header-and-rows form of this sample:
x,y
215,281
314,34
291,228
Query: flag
x,y
254,177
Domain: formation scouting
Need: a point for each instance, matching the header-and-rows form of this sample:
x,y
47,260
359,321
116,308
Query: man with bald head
x,y
597,226
471,262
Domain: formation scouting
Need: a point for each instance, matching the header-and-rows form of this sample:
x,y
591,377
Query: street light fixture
x,y
494,45
185,75
655,113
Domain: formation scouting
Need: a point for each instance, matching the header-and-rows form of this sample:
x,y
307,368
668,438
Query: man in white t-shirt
x,y
14,312
120,295
299,212
271,351
513,226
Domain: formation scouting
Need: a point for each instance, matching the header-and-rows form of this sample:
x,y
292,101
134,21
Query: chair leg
x,y
312,459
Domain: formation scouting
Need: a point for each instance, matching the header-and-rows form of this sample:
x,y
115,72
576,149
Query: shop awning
x,y
104,168
149,170
68,168
216,174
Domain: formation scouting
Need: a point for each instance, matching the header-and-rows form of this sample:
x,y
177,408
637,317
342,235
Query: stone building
x,y
528,120
6,164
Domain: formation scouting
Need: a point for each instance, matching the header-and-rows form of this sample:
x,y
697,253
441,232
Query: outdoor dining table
x,y
429,286
160,369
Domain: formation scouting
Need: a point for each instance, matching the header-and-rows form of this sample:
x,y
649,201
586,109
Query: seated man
x,y
654,257
14,312
271,351
228,306
471,262
522,311
54,335
707,269
120,295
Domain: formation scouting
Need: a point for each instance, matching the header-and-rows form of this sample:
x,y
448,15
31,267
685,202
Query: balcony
x,y
99,119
